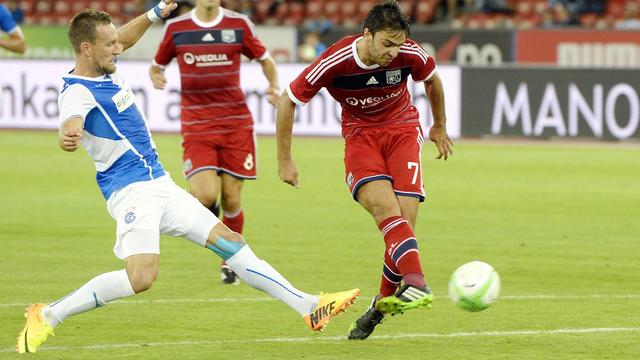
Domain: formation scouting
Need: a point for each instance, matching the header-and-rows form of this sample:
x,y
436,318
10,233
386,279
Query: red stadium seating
x,y
526,13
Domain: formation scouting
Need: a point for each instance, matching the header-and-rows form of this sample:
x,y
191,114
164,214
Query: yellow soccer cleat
x,y
330,305
35,332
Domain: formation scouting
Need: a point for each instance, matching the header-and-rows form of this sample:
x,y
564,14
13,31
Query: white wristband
x,y
154,14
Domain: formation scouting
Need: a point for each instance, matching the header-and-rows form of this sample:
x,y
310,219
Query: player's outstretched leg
x,y
364,326
316,310
35,332
406,298
330,305
97,292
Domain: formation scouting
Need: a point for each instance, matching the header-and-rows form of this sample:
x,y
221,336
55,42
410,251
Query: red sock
x,y
234,221
402,250
390,277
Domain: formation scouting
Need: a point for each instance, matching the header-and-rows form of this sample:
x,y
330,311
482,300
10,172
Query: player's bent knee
x,y
226,248
235,237
205,198
142,277
382,210
221,230
224,242
141,281
231,206
231,200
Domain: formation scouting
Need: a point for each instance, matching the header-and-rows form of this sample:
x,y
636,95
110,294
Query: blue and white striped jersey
x,y
114,132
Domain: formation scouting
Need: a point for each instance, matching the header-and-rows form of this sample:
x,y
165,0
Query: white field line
x,y
341,338
260,299
170,301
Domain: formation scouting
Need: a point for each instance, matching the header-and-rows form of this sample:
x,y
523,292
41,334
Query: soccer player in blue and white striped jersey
x,y
98,111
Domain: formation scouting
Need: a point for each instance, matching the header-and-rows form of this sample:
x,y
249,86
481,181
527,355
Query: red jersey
x,y
209,59
370,96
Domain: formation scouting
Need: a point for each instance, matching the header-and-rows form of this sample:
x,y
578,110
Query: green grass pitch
x,y
559,222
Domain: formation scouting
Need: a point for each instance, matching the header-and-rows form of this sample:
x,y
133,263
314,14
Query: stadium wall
x,y
529,102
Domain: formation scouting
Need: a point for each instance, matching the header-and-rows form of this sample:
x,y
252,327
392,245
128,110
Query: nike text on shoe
x,y
364,326
227,276
330,305
406,298
35,332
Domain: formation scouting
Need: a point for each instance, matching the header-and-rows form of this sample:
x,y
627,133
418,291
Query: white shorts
x,y
146,209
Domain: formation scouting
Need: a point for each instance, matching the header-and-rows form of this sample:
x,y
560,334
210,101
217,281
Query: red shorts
x,y
386,153
232,153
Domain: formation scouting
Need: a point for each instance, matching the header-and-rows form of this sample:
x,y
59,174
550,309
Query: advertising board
x,y
579,48
544,103
31,91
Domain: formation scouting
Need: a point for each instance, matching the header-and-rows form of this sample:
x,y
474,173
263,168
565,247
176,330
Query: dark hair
x,y
387,15
83,27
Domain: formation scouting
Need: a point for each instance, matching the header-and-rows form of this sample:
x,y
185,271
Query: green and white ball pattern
x,y
474,286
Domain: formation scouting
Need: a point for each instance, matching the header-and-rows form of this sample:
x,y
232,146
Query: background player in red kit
x,y
217,127
367,74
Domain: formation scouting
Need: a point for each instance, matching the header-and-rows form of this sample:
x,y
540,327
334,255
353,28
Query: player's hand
x,y
438,134
288,172
157,77
171,5
273,95
71,138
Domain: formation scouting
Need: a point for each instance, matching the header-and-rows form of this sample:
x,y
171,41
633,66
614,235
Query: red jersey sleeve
x,y
423,65
252,47
166,50
311,80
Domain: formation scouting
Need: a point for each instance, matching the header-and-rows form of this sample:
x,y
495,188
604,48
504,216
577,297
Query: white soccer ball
x,y
474,286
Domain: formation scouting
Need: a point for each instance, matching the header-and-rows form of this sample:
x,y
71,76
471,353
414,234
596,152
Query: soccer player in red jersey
x,y
367,74
217,127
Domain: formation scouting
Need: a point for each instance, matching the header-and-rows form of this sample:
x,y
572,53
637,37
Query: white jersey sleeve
x,y
75,101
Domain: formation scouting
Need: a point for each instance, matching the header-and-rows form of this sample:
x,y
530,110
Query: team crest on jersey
x,y
129,217
394,77
228,36
187,165
350,180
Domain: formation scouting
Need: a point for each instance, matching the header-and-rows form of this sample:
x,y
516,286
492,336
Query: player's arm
x,y
269,70
70,134
287,170
156,73
132,31
14,42
438,132
164,54
299,92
